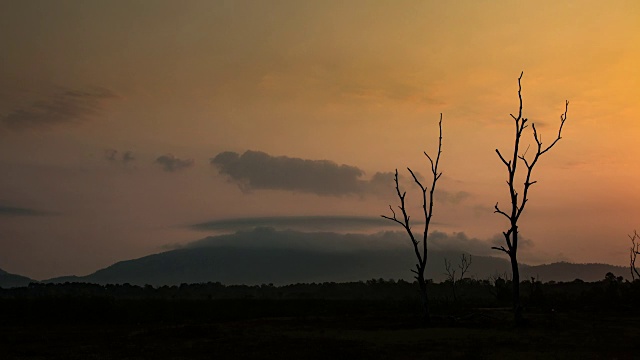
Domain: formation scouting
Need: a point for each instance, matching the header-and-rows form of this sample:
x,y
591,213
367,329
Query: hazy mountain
x,y
263,256
564,271
262,266
8,280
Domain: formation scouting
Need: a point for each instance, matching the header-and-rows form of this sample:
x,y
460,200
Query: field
x,y
89,327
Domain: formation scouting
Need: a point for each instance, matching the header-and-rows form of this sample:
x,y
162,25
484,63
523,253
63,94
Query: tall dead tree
x,y
518,203
420,246
633,254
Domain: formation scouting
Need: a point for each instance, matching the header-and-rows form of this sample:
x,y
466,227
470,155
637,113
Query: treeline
x,y
495,292
43,304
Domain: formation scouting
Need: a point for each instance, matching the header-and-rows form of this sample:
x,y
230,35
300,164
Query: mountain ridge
x,y
9,280
230,265
281,257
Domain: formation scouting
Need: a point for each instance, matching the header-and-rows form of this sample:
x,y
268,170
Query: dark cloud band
x,y
62,108
18,211
304,223
171,163
259,170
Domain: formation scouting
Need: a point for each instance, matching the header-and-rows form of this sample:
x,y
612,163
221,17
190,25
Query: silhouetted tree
x,y
633,254
465,263
500,284
421,254
518,204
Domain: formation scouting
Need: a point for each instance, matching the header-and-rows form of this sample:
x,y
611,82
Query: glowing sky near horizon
x,y
110,112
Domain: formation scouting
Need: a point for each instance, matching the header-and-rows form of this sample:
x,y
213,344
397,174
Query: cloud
x,y
127,157
302,223
258,170
455,198
66,107
381,183
6,211
270,238
112,155
440,195
523,243
171,163
459,241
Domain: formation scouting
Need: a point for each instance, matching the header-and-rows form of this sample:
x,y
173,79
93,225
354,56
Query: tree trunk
x,y
423,296
515,284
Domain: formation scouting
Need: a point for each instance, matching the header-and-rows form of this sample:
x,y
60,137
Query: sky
x,y
131,127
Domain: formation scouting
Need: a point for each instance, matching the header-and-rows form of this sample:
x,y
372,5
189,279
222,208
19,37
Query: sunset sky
x,y
125,123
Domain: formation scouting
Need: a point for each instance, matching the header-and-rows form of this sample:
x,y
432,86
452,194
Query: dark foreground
x,y
337,334
35,325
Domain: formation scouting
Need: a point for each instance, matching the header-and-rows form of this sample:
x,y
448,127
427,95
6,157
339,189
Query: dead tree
x,y
465,263
518,203
419,246
633,254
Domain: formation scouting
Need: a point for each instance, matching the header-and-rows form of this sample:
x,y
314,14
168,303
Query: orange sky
x,y
359,83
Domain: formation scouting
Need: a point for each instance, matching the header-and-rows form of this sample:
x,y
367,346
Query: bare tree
x,y
404,221
518,204
633,254
465,263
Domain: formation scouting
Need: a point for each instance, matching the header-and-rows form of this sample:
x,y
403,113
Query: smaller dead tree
x,y
633,254
465,263
419,246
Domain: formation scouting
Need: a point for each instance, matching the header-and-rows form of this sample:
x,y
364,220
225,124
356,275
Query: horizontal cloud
x,y
259,170
270,237
498,240
171,163
18,211
62,108
304,223
441,245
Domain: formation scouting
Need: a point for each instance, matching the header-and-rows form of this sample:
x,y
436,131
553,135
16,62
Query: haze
x,y
123,124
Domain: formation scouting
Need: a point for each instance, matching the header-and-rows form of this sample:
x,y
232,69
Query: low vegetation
x,y
377,318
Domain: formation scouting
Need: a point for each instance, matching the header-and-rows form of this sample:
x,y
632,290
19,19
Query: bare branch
x,y
451,274
416,180
501,248
501,212
507,163
430,159
465,263
563,118
519,96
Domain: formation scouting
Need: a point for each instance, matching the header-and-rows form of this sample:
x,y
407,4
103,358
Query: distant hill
x,y
265,255
8,280
250,266
564,271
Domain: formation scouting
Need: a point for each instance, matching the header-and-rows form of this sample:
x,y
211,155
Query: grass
x,y
315,330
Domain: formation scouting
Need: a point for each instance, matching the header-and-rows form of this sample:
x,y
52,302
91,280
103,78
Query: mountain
x,y
264,256
231,265
8,280
564,271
